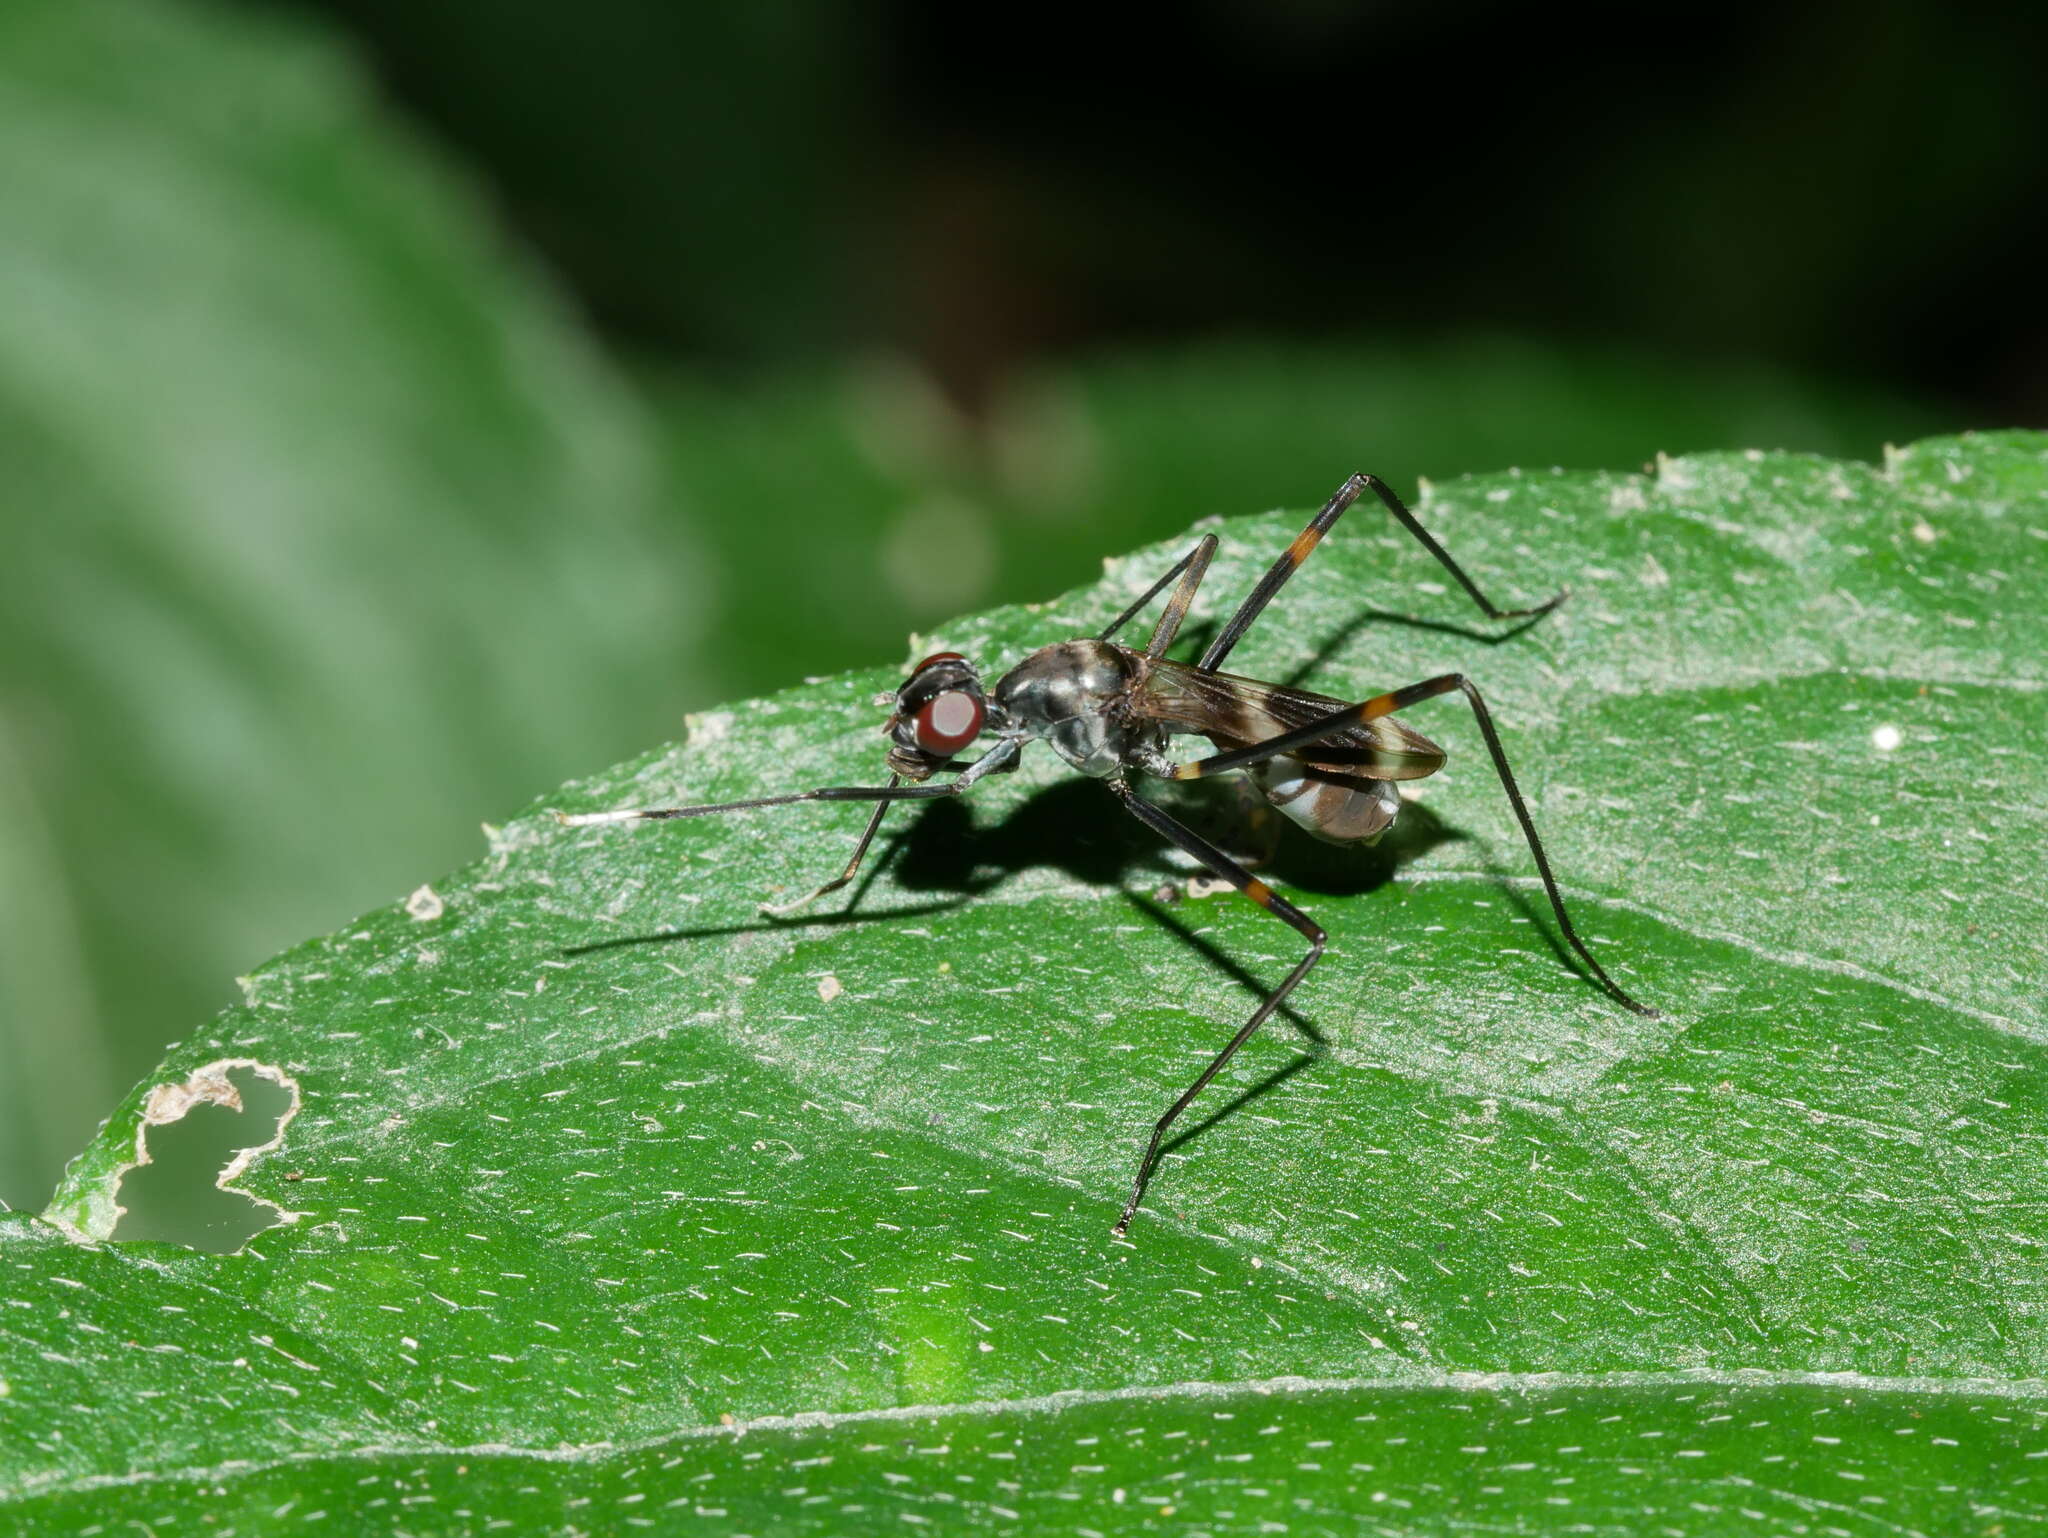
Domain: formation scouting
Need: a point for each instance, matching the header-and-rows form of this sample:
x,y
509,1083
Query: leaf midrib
x,y
1425,1381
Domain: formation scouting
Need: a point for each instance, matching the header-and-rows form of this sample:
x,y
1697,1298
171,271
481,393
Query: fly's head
x,y
939,710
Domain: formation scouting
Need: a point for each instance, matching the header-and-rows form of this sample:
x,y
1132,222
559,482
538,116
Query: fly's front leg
x,y
952,765
784,910
994,761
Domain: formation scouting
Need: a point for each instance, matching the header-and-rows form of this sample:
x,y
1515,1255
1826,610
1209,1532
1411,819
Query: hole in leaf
x,y
197,1134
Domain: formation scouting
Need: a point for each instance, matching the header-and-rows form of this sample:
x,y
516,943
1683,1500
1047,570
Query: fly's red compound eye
x,y
936,657
948,721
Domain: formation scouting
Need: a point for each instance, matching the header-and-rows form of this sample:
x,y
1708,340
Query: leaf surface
x,y
614,1200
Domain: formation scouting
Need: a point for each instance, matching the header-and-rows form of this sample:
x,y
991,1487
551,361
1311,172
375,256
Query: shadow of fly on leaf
x,y
1111,712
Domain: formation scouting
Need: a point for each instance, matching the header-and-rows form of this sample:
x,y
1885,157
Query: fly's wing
x,y
1233,712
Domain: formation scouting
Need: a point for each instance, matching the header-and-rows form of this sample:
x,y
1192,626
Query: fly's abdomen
x,y
1337,808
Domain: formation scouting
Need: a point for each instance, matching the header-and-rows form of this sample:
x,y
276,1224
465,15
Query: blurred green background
x,y
406,406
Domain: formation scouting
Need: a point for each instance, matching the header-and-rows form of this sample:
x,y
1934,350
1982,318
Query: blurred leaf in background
x,y
694,170
847,509
327,535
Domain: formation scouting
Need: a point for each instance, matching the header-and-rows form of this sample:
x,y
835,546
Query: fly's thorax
x,y
1075,695
1070,679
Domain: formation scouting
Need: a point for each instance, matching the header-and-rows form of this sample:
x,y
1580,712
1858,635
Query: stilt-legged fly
x,y
1108,710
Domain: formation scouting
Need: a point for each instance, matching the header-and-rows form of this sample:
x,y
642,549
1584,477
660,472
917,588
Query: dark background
x,y
1852,189
406,405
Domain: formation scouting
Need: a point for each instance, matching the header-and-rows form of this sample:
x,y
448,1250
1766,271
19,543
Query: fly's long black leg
x,y
714,808
1306,541
1204,548
1323,727
1386,705
1183,597
991,762
1264,896
783,910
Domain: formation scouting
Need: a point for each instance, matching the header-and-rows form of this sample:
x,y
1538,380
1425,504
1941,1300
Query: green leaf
x,y
612,1201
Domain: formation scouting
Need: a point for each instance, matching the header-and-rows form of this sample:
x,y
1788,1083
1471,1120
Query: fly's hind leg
x,y
1400,699
1257,891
